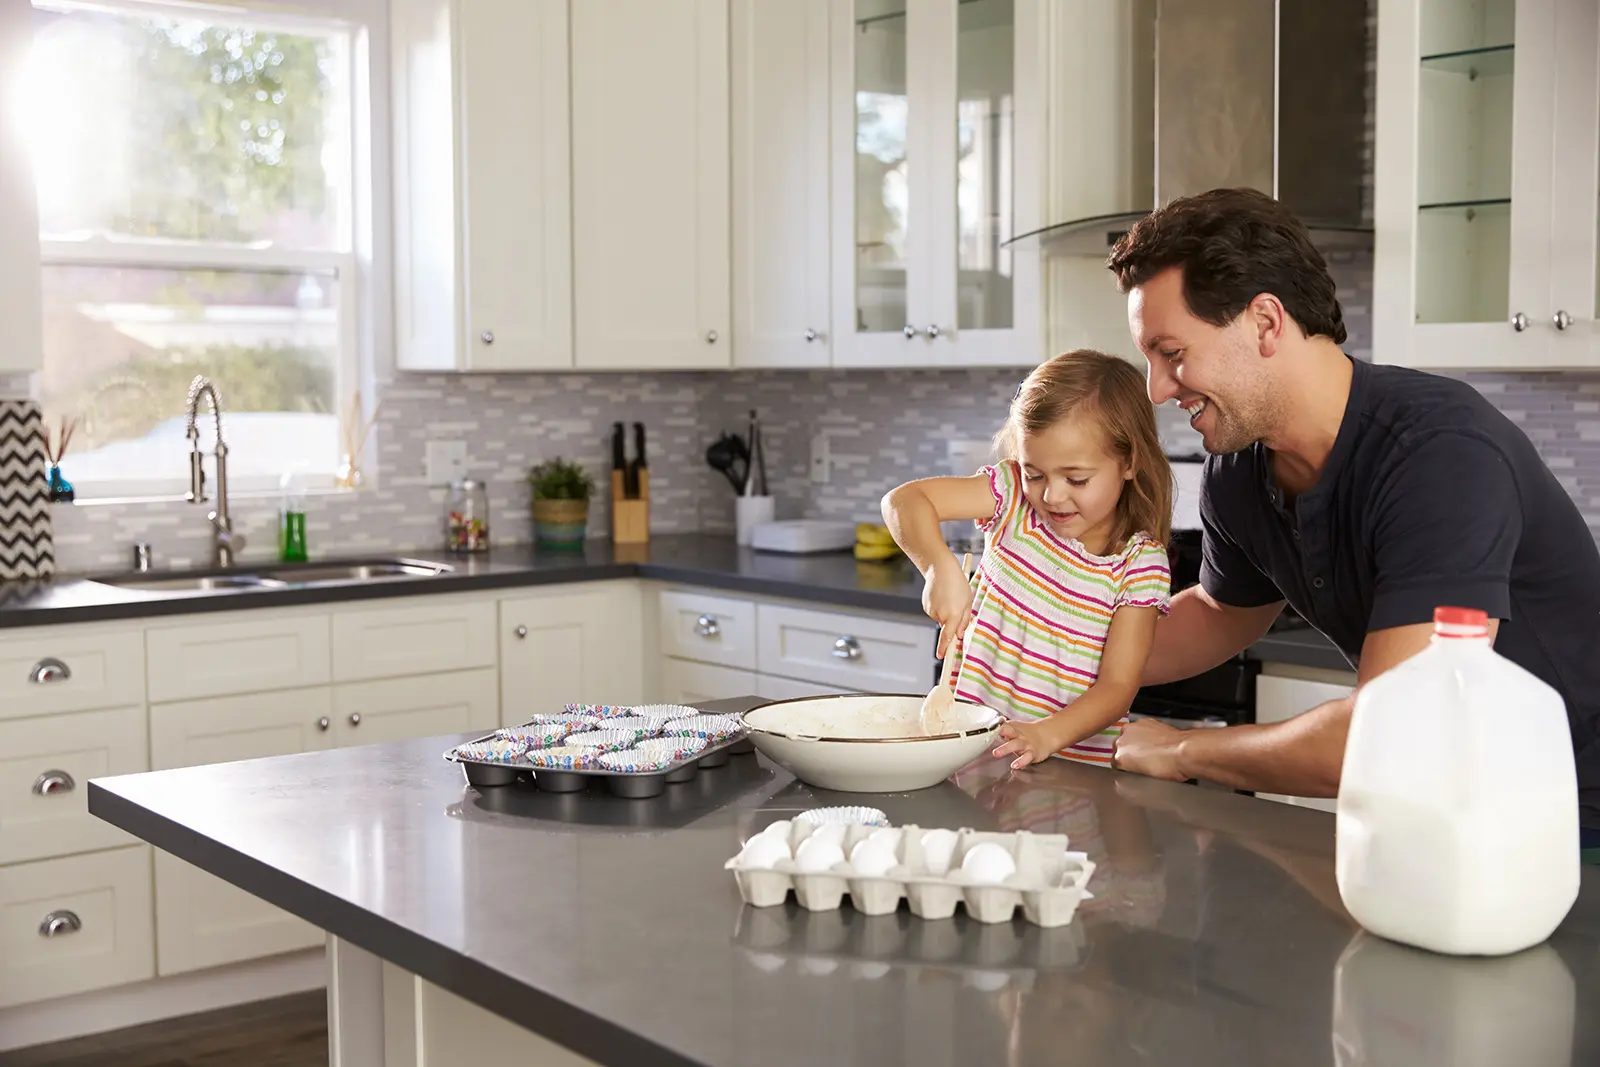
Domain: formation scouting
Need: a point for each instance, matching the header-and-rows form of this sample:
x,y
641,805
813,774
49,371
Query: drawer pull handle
x,y
707,626
323,723
51,782
847,648
60,922
49,670
355,718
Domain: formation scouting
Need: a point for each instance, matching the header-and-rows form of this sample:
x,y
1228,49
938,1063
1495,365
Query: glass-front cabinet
x,y
931,175
1485,190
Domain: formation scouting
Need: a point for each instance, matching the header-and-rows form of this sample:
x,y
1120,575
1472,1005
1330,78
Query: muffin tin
x,y
564,753
1048,882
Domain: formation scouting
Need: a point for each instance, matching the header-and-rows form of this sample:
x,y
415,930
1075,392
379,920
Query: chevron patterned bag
x,y
27,543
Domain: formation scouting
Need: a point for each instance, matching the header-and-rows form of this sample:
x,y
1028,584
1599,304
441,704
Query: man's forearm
x,y
1199,634
1301,757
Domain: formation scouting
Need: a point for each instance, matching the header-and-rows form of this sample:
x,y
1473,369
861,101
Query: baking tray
x,y
633,785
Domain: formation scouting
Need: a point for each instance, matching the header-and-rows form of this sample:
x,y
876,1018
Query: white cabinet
x,y
70,668
21,296
1485,184
857,652
1279,699
396,709
687,682
582,645
483,233
780,183
243,652
422,636
935,133
74,924
708,628
45,767
769,687
650,167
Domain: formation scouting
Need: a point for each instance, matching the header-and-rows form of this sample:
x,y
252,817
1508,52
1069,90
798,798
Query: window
x,y
194,170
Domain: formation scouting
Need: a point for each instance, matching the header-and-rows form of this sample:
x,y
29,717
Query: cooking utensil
x,y
723,456
619,456
755,477
640,465
941,700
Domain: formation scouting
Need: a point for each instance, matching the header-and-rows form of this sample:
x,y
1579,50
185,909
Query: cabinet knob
x,y
355,718
49,670
933,331
711,337
1562,320
60,922
910,331
1519,322
812,335
487,336
323,723
847,648
521,632
52,782
707,626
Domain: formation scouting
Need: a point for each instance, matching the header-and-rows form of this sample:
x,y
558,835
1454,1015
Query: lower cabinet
x,y
583,645
1280,698
687,682
770,687
45,767
396,709
74,924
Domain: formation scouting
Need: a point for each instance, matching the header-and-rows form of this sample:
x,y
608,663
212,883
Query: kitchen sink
x,y
281,576
192,583
353,571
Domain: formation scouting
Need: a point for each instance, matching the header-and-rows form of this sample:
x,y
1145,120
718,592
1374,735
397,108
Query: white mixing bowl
x,y
868,744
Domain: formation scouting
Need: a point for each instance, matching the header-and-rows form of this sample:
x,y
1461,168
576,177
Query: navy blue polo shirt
x,y
1430,497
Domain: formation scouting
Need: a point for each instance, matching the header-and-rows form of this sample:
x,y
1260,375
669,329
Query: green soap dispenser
x,y
291,520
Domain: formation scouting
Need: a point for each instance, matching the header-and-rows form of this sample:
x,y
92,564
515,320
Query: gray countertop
x,y
1216,935
835,579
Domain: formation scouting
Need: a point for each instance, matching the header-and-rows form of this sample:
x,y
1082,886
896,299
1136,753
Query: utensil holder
x,y
630,518
750,512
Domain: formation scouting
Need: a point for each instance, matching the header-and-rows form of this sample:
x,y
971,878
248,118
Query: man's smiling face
x,y
1215,373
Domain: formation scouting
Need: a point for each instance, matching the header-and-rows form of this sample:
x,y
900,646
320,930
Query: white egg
x,y
780,828
833,831
764,850
937,848
816,854
888,835
871,859
988,863
870,971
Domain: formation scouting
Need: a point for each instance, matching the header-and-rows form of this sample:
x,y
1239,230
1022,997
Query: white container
x,y
1458,804
750,512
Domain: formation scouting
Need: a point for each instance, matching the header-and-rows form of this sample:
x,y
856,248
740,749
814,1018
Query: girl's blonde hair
x,y
1112,391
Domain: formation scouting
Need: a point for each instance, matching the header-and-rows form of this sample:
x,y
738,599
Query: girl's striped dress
x,y
1041,609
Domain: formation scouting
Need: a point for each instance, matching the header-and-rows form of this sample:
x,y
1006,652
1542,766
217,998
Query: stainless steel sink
x,y
192,583
279,576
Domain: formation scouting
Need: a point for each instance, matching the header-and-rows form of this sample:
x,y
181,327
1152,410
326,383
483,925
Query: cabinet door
x,y
1279,699
202,921
21,296
422,636
483,235
398,709
780,183
1463,208
1575,275
582,645
686,682
241,653
650,183
770,687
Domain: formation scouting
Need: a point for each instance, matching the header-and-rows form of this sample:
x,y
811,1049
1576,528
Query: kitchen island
x,y
510,926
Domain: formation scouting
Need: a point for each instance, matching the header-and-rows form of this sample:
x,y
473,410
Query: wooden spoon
x,y
941,699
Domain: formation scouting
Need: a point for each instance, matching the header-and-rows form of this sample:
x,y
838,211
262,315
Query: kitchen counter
x,y
835,579
1216,935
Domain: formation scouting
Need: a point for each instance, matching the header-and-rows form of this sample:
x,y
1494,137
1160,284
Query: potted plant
x,y
561,492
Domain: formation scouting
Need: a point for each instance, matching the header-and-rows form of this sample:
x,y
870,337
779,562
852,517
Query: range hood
x,y
1264,94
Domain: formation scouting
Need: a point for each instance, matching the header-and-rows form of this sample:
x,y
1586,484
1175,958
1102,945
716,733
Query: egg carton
x,y
1048,881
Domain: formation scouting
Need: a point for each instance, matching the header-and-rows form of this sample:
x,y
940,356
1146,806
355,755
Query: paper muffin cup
x,y
602,711
571,718
491,750
538,735
844,816
652,755
714,728
668,712
604,740
647,725
562,758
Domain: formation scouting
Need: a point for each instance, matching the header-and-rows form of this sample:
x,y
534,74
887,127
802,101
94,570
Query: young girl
x,y
1063,608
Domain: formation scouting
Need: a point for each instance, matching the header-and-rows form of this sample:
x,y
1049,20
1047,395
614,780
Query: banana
x,y
873,533
875,552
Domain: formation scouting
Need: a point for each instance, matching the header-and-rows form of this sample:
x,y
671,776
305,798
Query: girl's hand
x,y
1029,742
947,598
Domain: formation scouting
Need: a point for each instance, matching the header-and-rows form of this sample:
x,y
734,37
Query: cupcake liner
x,y
568,717
491,750
844,816
714,728
603,711
605,740
667,712
562,758
647,725
538,735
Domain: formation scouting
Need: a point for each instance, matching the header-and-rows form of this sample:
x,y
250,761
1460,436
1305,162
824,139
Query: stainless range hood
x,y
1266,94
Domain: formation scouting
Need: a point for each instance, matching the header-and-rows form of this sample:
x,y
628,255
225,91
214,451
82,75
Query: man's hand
x,y
1151,748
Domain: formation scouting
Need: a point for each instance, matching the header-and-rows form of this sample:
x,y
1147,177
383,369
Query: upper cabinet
x,y
935,141
483,207
650,165
781,264
1486,184
20,293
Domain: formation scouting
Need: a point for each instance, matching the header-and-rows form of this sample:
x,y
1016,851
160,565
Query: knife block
x,y
630,519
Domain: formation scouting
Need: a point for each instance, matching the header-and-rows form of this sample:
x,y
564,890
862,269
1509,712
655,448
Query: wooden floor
x,y
286,1032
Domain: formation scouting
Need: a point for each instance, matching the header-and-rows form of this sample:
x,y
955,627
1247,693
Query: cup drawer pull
x,y
49,670
51,782
60,922
847,648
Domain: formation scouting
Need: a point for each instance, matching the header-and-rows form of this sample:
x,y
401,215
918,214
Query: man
x,y
1363,495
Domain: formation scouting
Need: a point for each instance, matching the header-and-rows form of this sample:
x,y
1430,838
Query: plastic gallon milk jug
x,y
1458,805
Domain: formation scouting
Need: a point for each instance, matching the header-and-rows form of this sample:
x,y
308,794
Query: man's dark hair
x,y
1233,245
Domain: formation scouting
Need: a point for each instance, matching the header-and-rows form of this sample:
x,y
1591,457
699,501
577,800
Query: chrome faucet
x,y
224,542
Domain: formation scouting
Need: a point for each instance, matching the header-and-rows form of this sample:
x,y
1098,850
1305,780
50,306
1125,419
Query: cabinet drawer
x,y
70,669
101,909
261,653
854,652
710,629
771,687
398,709
45,767
194,733
394,642
1279,699
687,682
202,921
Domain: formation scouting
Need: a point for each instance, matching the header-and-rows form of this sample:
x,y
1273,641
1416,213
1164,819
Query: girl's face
x,y
1073,480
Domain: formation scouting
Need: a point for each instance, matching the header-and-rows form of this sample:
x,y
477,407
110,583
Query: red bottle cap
x,y
1460,622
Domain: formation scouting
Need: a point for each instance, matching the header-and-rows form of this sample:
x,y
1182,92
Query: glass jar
x,y
467,520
